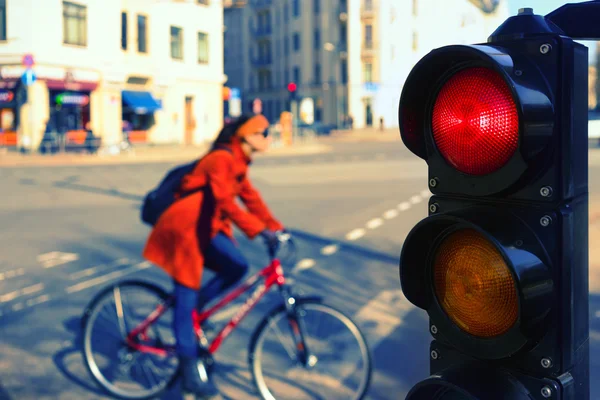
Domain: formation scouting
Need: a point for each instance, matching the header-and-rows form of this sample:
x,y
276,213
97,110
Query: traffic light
x,y
501,262
292,90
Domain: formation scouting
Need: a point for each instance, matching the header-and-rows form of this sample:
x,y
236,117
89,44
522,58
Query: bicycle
x,y
145,341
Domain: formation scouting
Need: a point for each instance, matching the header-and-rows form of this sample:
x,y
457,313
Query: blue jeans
x,y
228,260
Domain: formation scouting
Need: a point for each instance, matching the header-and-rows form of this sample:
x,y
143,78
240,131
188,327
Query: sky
x,y
544,7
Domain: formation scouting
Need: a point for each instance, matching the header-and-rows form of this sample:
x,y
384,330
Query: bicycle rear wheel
x,y
117,367
337,365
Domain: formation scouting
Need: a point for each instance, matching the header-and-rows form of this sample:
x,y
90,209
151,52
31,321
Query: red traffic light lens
x,y
475,121
291,87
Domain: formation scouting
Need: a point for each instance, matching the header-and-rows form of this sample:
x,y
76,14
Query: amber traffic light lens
x,y
474,285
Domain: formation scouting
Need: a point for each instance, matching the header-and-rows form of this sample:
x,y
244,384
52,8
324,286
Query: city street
x,y
68,231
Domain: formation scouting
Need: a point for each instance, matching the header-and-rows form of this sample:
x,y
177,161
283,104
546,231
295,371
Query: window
x,y
74,24
415,41
317,39
296,42
344,71
124,30
296,8
415,10
176,43
202,48
286,77
368,70
286,45
286,12
142,31
297,75
3,33
368,5
317,73
368,36
316,6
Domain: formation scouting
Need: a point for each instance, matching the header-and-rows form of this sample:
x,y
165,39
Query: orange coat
x,y
180,236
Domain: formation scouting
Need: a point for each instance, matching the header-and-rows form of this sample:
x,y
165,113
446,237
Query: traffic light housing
x,y
292,90
501,262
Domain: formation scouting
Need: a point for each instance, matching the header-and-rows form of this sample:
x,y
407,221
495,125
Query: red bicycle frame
x,y
271,274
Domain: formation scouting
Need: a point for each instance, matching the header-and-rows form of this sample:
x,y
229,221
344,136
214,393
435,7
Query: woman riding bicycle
x,y
196,232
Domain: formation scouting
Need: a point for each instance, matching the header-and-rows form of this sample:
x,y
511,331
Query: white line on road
x,y
12,274
38,300
355,234
389,214
105,278
374,223
90,271
416,199
56,258
21,292
304,264
404,206
330,249
384,313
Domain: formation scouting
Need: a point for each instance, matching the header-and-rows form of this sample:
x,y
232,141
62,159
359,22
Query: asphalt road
x,y
69,231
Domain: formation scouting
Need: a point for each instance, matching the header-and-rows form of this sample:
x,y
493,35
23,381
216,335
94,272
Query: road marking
x,y
105,278
21,292
330,249
389,214
90,271
355,234
374,223
56,258
12,274
18,306
38,300
382,314
304,264
404,206
416,199
597,314
425,193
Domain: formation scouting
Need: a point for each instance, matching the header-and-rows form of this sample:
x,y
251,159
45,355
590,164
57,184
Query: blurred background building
x,y
350,57
153,68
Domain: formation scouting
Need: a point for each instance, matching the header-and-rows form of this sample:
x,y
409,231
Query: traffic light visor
x,y
474,285
475,122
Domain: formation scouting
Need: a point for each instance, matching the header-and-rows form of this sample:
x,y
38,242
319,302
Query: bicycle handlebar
x,y
282,238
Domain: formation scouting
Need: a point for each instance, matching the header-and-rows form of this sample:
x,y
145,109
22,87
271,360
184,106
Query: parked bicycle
x,y
144,347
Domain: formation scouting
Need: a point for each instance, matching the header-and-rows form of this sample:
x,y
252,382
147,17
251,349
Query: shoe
x,y
195,378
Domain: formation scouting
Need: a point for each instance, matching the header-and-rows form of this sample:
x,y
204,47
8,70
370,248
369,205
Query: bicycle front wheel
x,y
330,359
119,369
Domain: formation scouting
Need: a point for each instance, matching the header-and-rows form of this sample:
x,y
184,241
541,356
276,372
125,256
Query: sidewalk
x,y
146,154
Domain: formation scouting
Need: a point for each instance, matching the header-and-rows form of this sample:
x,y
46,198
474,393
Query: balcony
x,y
367,12
368,50
262,32
343,13
262,62
258,5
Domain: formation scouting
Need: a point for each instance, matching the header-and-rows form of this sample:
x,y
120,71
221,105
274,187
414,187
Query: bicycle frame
x,y
264,280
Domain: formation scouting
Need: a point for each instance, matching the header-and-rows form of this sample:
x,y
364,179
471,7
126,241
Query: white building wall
x,y
103,61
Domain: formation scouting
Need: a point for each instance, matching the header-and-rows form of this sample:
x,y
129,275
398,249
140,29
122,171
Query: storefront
x,y
8,118
138,114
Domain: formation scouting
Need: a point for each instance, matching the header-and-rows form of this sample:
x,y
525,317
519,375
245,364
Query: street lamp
x,y
331,48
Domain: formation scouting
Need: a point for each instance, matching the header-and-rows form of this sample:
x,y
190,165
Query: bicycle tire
x,y
260,330
88,319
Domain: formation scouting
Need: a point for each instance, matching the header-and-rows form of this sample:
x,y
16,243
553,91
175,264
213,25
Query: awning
x,y
141,102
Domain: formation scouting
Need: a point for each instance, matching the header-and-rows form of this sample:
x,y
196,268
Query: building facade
x,y
350,57
150,68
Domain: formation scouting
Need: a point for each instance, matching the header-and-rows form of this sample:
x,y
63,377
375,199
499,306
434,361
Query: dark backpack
x,y
157,201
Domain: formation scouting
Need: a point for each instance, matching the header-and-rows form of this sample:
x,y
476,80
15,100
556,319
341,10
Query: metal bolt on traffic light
x,y
501,262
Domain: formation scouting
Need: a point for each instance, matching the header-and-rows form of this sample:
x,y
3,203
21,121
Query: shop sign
x,y
72,99
6,96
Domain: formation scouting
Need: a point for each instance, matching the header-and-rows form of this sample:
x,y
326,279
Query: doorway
x,y
368,113
190,122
